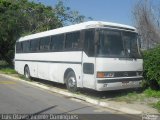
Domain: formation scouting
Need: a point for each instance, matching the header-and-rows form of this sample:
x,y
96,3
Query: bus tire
x,y
71,82
27,72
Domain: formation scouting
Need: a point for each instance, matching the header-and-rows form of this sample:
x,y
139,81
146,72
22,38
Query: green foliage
x,y
152,93
144,84
152,67
19,17
157,106
6,68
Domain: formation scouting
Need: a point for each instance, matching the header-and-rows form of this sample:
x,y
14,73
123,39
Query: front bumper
x,y
118,83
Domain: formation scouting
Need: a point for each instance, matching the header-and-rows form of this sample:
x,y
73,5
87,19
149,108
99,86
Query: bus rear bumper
x,y
117,84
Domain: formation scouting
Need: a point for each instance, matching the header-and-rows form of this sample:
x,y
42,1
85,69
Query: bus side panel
x,y
57,71
33,68
67,60
42,68
51,66
26,59
19,67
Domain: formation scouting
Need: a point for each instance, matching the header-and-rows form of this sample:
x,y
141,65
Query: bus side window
x,y
72,40
26,46
34,47
19,47
57,42
89,43
44,44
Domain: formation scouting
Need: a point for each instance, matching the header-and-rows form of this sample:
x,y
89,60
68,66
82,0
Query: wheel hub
x,y
72,82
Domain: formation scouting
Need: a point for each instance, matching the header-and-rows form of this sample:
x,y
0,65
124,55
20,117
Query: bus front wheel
x,y
27,72
71,82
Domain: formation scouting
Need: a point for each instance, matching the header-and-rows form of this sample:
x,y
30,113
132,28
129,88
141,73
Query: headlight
x,y
105,74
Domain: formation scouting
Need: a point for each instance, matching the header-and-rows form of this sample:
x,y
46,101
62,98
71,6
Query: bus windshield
x,y
118,44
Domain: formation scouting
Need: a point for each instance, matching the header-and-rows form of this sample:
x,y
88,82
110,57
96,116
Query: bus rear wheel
x,y
27,72
71,82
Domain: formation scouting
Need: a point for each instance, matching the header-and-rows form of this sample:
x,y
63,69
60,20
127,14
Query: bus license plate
x,y
128,83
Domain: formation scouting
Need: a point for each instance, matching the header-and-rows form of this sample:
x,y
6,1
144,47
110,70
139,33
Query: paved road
x,y
21,98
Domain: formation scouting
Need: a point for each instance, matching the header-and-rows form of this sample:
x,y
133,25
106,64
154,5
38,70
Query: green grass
x,y
130,97
157,106
152,93
148,97
6,68
8,71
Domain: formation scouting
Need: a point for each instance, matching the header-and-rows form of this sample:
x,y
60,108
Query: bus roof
x,y
76,27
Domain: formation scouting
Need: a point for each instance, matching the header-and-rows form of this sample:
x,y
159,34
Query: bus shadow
x,y
50,83
109,94
92,93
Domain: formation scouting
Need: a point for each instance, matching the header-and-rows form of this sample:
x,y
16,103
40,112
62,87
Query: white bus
x,y
96,55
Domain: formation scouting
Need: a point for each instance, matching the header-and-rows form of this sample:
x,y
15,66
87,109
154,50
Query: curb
x,y
81,97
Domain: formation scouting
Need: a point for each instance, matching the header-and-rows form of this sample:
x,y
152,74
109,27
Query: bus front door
x,y
88,72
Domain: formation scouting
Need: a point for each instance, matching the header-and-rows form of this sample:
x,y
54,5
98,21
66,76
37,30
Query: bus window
x,y
72,40
44,44
89,43
111,44
57,43
26,46
19,47
34,47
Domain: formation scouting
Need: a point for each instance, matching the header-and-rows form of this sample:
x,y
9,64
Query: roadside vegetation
x,y
152,68
146,18
6,68
157,106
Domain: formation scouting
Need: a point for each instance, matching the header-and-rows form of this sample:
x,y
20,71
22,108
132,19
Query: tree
x,y
19,17
23,17
147,21
68,16
39,17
